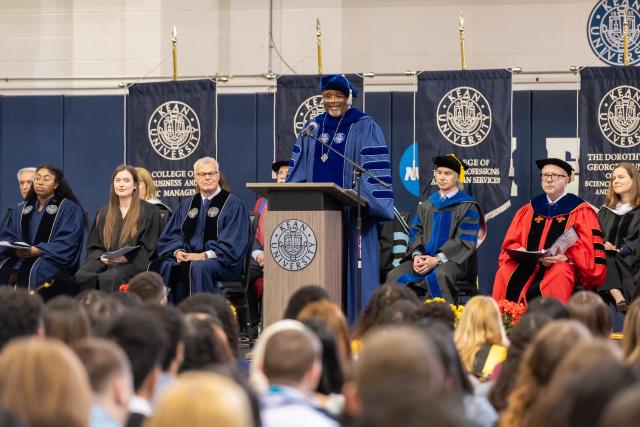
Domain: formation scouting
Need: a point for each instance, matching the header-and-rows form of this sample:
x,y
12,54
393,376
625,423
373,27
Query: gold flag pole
x,y
625,39
174,49
319,45
463,64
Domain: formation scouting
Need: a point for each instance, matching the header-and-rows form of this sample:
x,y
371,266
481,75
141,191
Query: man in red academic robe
x,y
535,227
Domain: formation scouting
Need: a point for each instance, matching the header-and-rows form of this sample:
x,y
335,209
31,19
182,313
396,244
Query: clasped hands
x,y
116,261
184,256
422,264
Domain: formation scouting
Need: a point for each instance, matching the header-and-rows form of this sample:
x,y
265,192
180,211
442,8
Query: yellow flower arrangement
x,y
457,309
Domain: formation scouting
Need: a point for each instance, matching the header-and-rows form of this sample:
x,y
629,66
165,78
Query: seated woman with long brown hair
x,y
620,221
125,221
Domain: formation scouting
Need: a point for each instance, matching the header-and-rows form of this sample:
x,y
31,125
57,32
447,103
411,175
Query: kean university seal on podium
x,y
293,245
605,31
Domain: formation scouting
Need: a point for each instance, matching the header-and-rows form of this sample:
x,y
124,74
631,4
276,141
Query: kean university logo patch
x,y
605,30
464,116
293,245
619,116
174,130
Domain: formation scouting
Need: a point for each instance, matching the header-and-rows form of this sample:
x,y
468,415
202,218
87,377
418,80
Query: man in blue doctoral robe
x,y
206,239
360,139
450,226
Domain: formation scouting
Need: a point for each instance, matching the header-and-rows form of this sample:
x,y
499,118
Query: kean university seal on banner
x,y
293,245
619,116
605,31
174,130
464,116
308,110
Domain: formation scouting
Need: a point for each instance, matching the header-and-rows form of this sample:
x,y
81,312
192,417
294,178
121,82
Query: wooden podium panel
x,y
288,264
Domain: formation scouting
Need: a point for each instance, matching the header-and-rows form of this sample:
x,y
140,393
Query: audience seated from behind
x,y
207,238
52,222
145,343
203,399
589,309
44,384
631,333
620,221
221,308
125,221
480,337
26,317
301,298
205,344
109,374
538,365
148,192
435,310
623,410
101,309
519,339
476,407
585,381
292,365
149,287
66,319
171,320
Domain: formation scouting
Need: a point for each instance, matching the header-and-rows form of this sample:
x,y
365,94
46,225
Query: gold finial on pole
x,y
174,49
625,38
463,64
319,45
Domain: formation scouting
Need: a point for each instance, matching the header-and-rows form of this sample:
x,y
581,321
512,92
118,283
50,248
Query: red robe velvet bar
x,y
535,227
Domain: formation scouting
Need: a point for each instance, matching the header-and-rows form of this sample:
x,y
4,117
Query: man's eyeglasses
x,y
209,174
336,98
553,177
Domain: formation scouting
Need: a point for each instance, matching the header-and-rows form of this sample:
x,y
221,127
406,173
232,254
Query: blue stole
x,y
332,169
564,206
440,230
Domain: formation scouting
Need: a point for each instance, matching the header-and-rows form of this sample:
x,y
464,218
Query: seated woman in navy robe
x,y
206,239
52,222
125,221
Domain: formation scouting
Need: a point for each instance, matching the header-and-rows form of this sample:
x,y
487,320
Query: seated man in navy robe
x,y
206,239
449,228
360,139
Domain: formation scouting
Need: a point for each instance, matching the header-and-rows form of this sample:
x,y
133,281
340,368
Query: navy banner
x,y
169,126
467,113
298,99
609,112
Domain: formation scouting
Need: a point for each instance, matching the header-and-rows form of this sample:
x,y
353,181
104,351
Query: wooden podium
x,y
303,241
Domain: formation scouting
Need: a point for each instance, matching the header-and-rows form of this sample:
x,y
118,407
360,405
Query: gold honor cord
x,y
463,64
625,38
319,45
174,50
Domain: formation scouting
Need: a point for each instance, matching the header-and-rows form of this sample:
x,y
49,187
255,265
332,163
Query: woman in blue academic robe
x,y
52,222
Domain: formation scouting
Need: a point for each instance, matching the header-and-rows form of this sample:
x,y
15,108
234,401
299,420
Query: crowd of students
x,y
128,359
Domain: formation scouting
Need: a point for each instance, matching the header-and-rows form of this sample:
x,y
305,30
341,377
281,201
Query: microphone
x,y
309,129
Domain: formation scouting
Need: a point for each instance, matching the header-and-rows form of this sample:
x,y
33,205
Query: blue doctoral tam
x,y
338,82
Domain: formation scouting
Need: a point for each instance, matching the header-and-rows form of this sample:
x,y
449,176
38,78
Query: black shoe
x,y
622,307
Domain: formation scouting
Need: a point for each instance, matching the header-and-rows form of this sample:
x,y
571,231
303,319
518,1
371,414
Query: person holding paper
x,y
52,221
620,220
359,138
535,227
123,237
450,227
207,238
